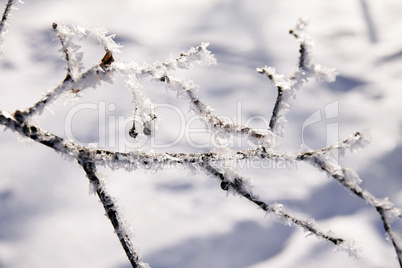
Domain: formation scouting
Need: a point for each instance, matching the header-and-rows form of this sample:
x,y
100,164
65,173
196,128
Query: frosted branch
x,y
359,140
350,180
132,160
5,19
112,211
86,160
287,88
188,88
150,160
233,183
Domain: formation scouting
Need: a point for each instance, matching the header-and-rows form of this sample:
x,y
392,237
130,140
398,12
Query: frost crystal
x,y
6,18
351,176
350,248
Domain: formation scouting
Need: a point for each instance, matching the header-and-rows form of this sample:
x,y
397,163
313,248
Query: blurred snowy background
x,y
49,219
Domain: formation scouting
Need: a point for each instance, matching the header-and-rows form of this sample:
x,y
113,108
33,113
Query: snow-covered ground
x,y
48,218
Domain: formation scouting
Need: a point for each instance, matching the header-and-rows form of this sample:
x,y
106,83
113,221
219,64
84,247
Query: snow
x,y
47,217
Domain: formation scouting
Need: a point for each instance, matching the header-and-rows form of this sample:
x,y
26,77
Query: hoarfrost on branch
x,y
78,80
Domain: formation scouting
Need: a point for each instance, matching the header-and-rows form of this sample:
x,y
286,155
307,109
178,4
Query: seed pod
x,y
147,128
133,132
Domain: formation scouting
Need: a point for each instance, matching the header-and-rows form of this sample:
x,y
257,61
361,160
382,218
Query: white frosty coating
x,y
71,50
6,18
97,35
76,80
350,248
276,213
142,105
351,177
325,74
125,229
200,55
282,105
113,212
237,185
188,89
351,180
360,139
227,153
363,141
287,88
392,213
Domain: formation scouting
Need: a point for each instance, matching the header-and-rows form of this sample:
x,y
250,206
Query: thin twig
x,y
112,211
95,72
65,51
388,212
372,32
287,88
5,16
237,184
395,238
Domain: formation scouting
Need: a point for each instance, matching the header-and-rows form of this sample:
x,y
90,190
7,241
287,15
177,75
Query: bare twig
x,y
372,32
